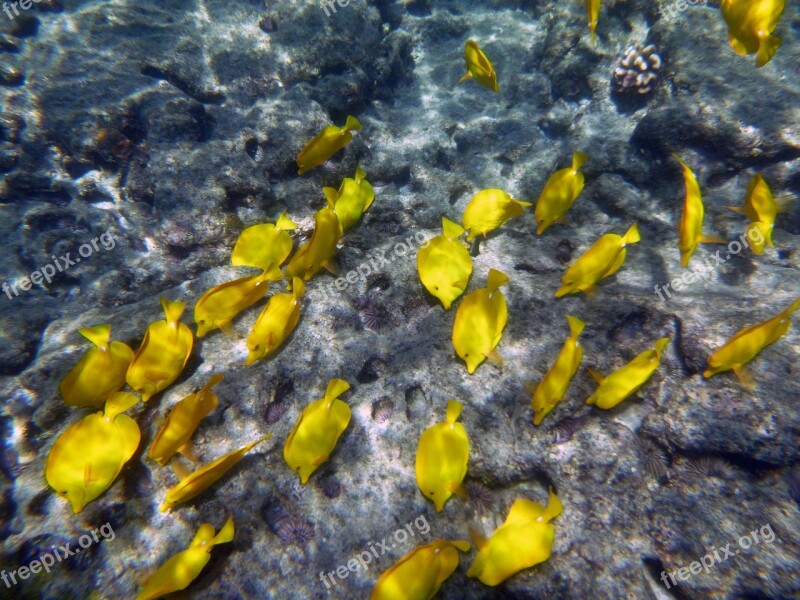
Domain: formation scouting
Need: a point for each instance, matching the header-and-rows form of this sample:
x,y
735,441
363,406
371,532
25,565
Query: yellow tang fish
x,y
592,13
480,321
265,246
325,144
745,345
523,540
352,199
488,210
86,459
183,568
553,387
601,260
275,323
559,193
206,476
99,373
316,432
317,253
626,380
690,228
182,421
442,456
762,209
444,264
750,25
222,303
421,572
163,354
478,67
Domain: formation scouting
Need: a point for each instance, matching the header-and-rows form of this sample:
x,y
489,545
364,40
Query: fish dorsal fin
x,y
172,310
330,195
180,470
451,229
298,288
575,326
336,387
352,124
118,403
284,223
661,344
553,509
524,511
99,335
578,160
496,279
454,408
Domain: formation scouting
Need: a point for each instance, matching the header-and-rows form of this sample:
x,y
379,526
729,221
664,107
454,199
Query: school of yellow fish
x,y
87,457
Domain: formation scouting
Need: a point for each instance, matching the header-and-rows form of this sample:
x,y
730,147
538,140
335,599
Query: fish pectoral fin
x,y
227,329
738,209
317,461
744,376
477,536
495,357
332,267
712,239
187,450
530,386
591,291
460,491
595,374
464,78
180,470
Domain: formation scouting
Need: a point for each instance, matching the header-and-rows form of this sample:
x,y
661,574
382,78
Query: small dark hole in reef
x,y
25,26
380,283
371,371
251,147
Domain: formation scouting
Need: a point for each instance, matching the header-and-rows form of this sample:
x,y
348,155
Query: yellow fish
x,y
444,264
690,229
275,323
352,199
488,210
317,253
559,193
627,379
478,67
182,421
523,540
316,432
265,246
183,568
553,387
745,345
163,354
750,25
601,260
762,209
99,373
421,572
325,144
592,12
480,321
442,456
206,476
220,305
86,459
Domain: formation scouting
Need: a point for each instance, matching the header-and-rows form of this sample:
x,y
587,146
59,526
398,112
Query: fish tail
x,y
336,387
793,307
118,403
360,175
298,288
331,195
225,534
451,229
632,236
575,326
352,124
767,47
553,509
285,223
578,160
172,310
98,335
661,344
214,380
468,75
454,408
496,279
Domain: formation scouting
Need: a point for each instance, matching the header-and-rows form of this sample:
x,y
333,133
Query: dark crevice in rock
x,y
188,88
